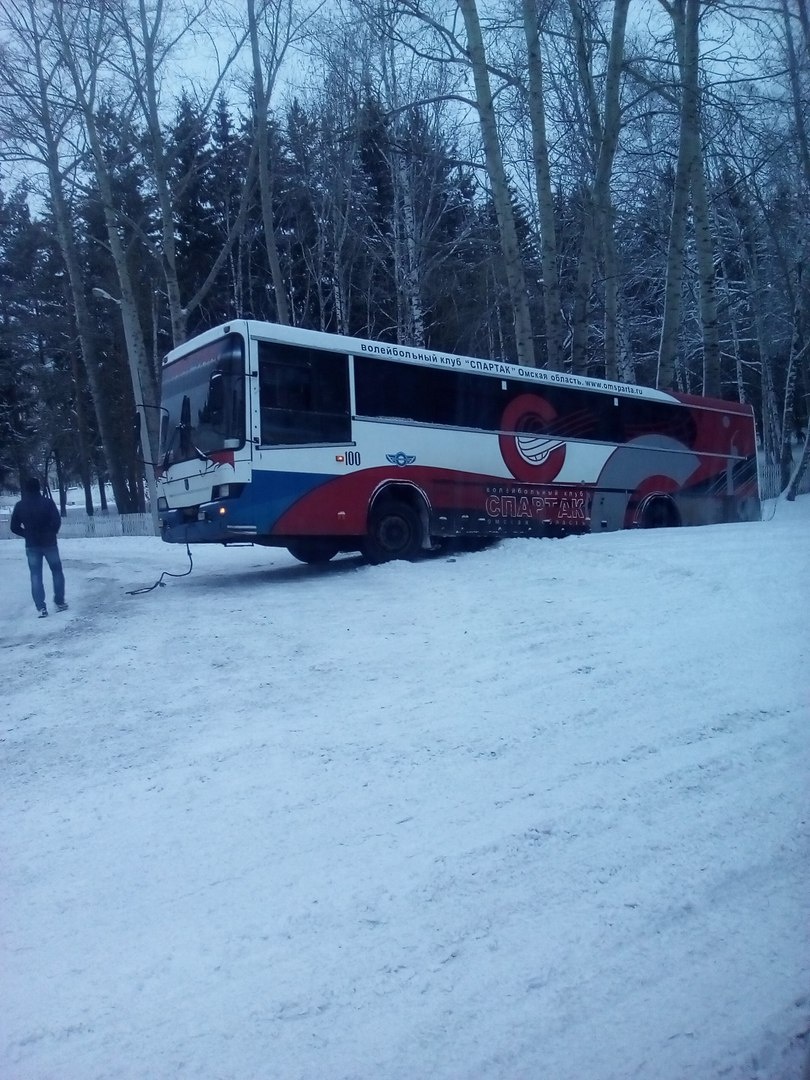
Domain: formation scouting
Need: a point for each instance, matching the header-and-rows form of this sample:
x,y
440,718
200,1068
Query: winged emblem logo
x,y
400,458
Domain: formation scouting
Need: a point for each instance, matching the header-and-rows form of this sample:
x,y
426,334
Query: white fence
x,y
770,480
80,526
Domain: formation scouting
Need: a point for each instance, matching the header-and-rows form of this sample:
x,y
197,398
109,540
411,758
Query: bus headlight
x,y
209,512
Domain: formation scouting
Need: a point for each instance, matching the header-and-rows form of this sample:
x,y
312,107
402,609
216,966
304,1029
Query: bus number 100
x,y
352,457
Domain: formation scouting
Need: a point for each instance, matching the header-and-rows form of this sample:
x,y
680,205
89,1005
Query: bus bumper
x,y
208,525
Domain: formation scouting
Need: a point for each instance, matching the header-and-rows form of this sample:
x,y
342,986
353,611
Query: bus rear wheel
x,y
394,532
659,512
312,550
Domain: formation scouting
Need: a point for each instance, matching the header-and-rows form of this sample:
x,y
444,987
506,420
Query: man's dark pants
x,y
51,556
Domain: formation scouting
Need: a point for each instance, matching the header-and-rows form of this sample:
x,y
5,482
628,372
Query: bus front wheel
x,y
394,532
312,550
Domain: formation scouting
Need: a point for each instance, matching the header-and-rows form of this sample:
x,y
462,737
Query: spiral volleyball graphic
x,y
529,453
534,449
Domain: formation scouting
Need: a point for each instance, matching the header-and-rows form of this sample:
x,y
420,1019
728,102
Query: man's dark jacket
x,y
36,518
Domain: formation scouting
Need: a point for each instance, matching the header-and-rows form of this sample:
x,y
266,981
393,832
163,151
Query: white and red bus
x,y
321,443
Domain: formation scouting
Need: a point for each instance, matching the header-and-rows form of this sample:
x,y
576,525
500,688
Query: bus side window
x,y
641,417
303,395
609,418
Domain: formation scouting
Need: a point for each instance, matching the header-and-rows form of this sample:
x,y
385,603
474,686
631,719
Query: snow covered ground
x,y
537,813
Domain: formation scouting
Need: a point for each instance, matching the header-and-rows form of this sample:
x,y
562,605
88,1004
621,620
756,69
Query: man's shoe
x,y
61,607
43,613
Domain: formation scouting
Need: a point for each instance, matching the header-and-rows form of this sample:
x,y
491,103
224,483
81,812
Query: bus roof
x,y
315,339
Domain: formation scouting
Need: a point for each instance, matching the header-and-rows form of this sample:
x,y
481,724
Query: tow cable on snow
x,y
166,573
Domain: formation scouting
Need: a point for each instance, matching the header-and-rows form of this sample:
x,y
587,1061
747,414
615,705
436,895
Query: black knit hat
x,y
31,486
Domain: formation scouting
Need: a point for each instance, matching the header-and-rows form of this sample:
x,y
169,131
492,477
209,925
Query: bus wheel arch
x,y
657,511
398,524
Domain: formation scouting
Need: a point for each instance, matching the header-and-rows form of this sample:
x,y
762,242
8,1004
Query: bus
x,y
321,443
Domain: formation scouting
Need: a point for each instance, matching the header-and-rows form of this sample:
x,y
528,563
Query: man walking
x,y
37,520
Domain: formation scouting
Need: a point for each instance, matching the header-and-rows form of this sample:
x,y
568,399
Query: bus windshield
x,y
204,401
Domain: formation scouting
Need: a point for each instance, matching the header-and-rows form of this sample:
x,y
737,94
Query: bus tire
x,y
659,512
394,532
312,550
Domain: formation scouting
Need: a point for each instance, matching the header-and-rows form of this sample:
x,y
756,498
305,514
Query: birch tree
x,y
274,28
87,41
414,149
469,55
266,65
340,253
689,178
146,37
552,307
38,115
524,338
800,339
604,120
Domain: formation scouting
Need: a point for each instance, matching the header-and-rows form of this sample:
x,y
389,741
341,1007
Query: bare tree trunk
x,y
262,90
582,287
414,311
800,339
524,339
687,48
798,349
145,36
597,216
771,427
611,299
798,97
626,360
407,255
60,482
802,466
704,245
338,218
670,326
771,433
39,103
144,378
552,305
82,431
735,332
580,325
147,89
689,178
124,495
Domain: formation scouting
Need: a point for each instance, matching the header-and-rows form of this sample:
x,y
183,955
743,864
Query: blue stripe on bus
x,y
271,494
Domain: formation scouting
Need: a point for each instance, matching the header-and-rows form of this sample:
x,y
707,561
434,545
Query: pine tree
x,y
195,225
20,443
227,169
